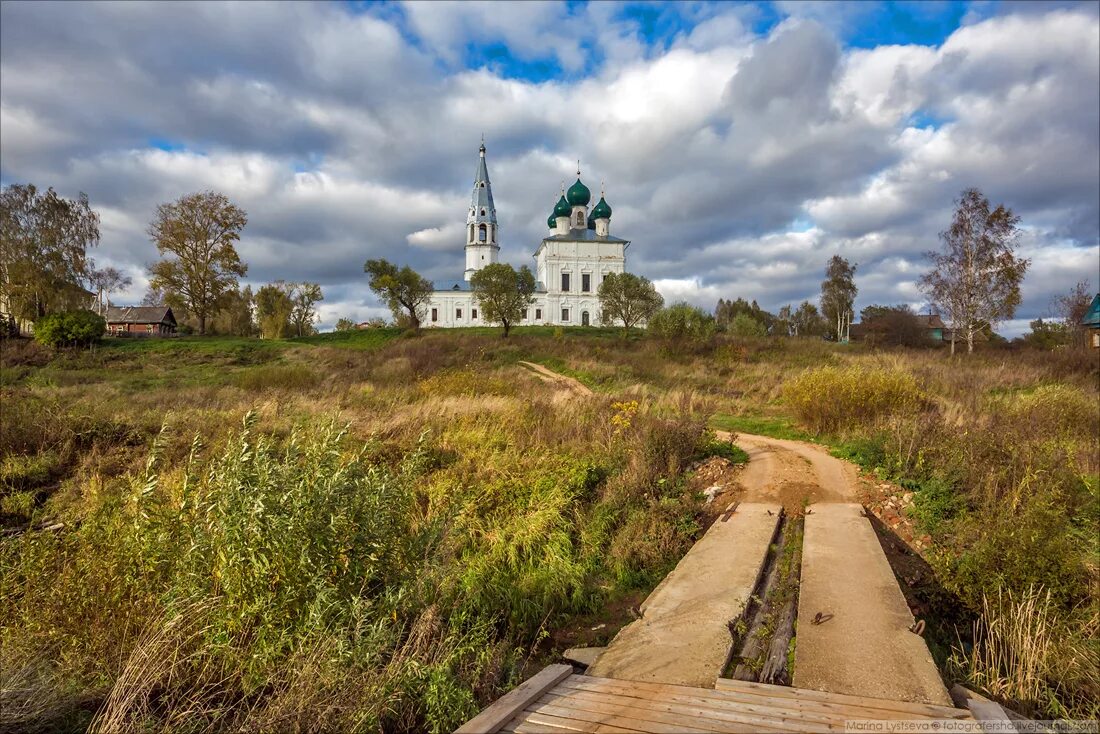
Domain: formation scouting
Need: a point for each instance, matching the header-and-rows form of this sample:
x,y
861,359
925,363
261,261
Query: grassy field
x,y
371,531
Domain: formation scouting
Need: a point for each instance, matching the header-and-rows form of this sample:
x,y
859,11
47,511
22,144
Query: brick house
x,y
140,321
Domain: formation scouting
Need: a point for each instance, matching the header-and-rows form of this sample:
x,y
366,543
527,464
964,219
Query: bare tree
x,y
975,279
1071,308
199,230
105,282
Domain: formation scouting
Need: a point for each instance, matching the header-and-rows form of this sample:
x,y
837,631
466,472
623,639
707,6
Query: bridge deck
x,y
558,701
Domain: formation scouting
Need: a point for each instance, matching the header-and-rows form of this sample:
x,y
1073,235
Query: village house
x,y
1092,322
570,262
142,321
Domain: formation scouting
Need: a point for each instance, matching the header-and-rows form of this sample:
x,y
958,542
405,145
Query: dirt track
x,y
864,646
567,384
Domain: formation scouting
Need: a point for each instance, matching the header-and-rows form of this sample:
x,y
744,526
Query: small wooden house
x,y
143,321
1092,322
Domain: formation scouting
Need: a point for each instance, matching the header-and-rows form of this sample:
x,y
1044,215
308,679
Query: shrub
x,y
682,321
69,329
839,398
744,325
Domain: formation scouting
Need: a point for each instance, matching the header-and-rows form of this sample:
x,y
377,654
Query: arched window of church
x,y
483,212
580,219
481,232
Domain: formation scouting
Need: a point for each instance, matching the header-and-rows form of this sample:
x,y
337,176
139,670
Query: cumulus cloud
x,y
737,160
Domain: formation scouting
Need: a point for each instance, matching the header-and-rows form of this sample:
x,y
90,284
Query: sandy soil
x,y
566,384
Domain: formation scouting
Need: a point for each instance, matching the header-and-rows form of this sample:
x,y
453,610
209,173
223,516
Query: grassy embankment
x,y
353,532
488,509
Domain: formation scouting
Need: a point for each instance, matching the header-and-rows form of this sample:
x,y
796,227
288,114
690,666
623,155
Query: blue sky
x,y
742,144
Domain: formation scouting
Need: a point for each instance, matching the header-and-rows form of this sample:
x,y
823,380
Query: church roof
x,y
582,235
481,200
450,285
578,194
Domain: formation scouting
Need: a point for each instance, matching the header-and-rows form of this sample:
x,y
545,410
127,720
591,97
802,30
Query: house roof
x,y
140,315
930,320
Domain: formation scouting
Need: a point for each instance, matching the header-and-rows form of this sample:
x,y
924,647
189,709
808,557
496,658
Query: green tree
x,y
744,325
726,311
198,231
344,324
304,298
806,321
976,277
628,299
404,291
44,240
273,309
503,293
782,326
838,293
682,321
892,326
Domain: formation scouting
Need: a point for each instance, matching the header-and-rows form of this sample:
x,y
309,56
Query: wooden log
x,y
754,643
775,665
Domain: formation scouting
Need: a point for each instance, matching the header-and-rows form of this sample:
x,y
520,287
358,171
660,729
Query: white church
x,y
570,263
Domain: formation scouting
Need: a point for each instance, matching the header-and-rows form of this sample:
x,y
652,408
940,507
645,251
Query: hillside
x,y
366,530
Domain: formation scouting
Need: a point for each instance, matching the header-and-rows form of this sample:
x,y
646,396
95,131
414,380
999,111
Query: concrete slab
x,y
683,636
866,647
582,655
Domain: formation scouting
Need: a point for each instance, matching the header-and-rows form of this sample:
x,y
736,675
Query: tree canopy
x,y
892,326
503,293
682,321
304,298
975,277
403,290
628,299
838,293
273,309
198,231
44,240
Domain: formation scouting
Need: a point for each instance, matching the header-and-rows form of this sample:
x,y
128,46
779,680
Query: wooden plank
x,y
704,715
772,717
793,706
565,721
561,726
615,716
511,703
927,710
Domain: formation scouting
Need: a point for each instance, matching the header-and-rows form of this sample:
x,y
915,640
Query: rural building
x,y
934,325
140,321
1092,322
570,262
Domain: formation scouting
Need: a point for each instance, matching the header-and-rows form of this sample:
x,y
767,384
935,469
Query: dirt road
x,y
562,382
861,644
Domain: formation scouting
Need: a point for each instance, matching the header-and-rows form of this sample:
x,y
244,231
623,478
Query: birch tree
x,y
975,278
838,293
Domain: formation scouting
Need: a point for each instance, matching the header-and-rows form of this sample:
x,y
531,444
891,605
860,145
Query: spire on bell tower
x,y
481,221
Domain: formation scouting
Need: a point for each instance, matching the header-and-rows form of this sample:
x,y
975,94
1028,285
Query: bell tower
x,y
481,221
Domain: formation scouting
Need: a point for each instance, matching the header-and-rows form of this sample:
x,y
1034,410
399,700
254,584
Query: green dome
x,y
601,210
591,222
552,221
578,194
562,208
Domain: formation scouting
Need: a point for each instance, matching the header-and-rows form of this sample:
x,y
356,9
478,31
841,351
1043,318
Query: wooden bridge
x,y
557,700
